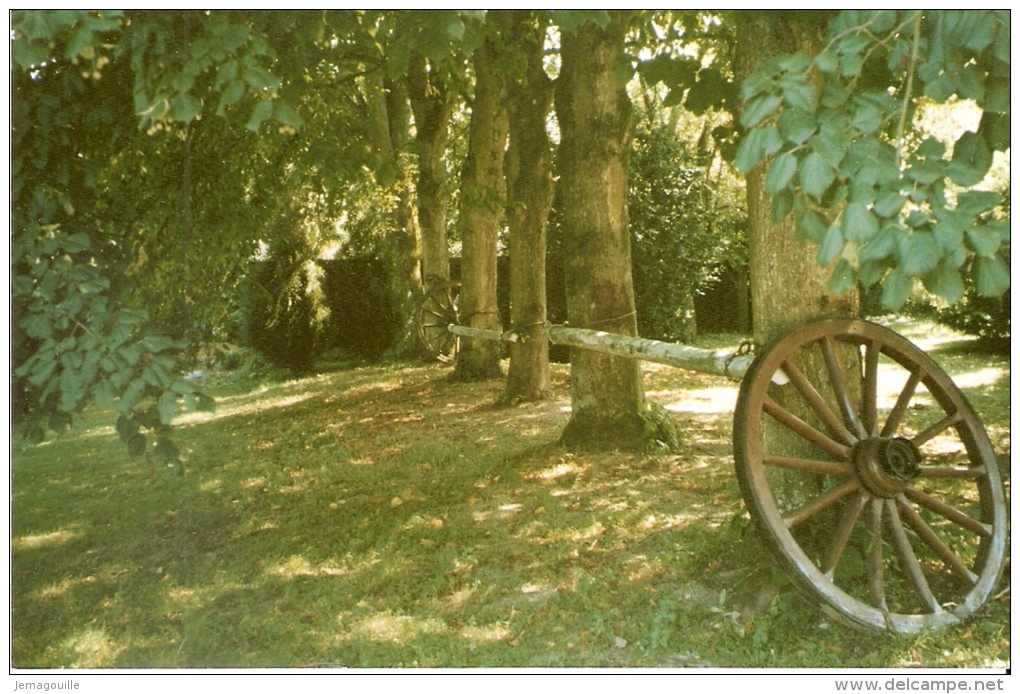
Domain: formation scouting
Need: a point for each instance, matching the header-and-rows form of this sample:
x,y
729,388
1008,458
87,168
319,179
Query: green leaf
x,y
182,387
850,65
755,146
945,283
868,273
931,148
919,254
812,226
832,246
859,224
572,20
29,54
227,73
991,276
760,108
976,202
81,38
184,108
867,119
997,95
796,126
755,85
156,343
103,394
204,403
780,173
896,290
167,407
136,445
130,396
286,115
971,160
126,428
782,205
827,62
231,95
262,112
979,34
799,93
995,129
984,240
165,449
815,175
889,203
623,70
843,278
260,79
831,143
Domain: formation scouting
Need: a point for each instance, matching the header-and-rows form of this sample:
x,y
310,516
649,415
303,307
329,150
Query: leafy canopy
x,y
883,204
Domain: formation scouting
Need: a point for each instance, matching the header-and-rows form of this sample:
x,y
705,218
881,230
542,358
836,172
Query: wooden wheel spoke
x,y
876,557
817,403
871,386
948,512
839,387
929,538
445,315
892,422
820,467
937,428
820,503
908,559
842,536
805,430
969,473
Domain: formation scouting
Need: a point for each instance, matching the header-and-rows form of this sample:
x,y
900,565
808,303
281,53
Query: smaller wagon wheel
x,y
436,311
892,511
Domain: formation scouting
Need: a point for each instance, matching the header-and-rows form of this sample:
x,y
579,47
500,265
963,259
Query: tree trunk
x,y
788,287
432,103
390,127
596,125
483,192
529,199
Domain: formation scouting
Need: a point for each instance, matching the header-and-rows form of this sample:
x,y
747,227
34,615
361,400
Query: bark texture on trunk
x,y
483,195
529,199
390,118
432,103
596,125
788,287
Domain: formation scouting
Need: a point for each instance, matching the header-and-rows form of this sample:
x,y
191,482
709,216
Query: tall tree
x,y
529,199
483,192
596,125
432,100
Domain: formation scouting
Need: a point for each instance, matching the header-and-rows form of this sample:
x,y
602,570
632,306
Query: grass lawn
x,y
385,516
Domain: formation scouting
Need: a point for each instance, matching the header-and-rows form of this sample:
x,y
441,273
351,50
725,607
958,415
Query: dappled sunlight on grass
x,y
386,515
91,648
299,566
980,379
397,628
50,539
241,406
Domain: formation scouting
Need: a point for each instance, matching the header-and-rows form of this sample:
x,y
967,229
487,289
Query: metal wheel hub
x,y
886,466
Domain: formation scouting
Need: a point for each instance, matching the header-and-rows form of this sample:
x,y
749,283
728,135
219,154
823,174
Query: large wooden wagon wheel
x,y
436,311
894,513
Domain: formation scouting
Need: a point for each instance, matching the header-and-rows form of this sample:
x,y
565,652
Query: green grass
x,y
385,516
